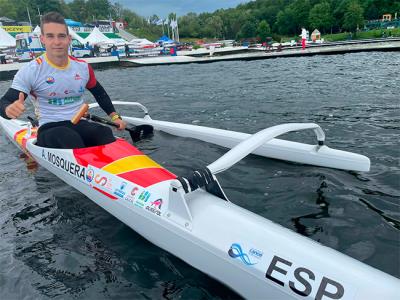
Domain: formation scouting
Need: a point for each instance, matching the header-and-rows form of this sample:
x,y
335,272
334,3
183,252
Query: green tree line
x,y
85,11
285,17
253,19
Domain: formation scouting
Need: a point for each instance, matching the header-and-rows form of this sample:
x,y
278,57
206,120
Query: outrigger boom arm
x,y
258,139
144,108
263,144
206,177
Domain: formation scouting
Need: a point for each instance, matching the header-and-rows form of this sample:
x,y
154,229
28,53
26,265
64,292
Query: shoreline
x,y
7,71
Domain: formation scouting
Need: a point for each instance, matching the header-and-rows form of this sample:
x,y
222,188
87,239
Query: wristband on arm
x,y
115,116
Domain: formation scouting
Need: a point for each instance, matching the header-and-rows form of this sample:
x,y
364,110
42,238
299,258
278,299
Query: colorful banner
x,y
17,28
102,28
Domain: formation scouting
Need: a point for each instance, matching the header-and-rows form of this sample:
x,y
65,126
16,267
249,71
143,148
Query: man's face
x,y
56,39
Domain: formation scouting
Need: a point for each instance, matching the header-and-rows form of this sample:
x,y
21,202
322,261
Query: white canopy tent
x,y
6,40
37,30
96,36
142,43
119,41
76,36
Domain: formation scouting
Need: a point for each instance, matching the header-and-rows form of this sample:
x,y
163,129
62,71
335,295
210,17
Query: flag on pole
x,y
174,24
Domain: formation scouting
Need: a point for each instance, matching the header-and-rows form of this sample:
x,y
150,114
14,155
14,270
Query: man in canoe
x,y
56,82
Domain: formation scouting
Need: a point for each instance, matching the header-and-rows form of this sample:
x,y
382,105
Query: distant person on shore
x,y
264,44
303,36
127,50
96,50
114,51
268,43
172,51
3,58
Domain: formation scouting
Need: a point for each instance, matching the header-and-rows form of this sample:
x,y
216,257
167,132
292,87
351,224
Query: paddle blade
x,y
140,131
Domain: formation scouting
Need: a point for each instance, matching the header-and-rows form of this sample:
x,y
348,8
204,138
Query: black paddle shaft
x,y
136,132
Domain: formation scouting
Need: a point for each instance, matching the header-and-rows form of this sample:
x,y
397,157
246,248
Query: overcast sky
x,y
162,8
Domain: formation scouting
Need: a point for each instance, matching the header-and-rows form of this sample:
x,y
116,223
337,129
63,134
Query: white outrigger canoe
x,y
192,218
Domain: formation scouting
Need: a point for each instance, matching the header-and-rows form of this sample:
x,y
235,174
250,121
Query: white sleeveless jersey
x,y
56,92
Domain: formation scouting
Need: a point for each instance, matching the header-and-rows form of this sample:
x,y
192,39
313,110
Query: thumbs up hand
x,y
15,109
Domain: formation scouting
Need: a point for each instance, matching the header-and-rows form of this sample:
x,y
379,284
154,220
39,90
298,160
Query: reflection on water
x,y
323,213
31,164
391,221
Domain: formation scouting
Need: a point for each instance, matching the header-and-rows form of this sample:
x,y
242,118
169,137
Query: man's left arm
x,y
102,98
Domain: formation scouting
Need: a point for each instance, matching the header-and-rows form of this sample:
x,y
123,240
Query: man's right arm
x,y
12,104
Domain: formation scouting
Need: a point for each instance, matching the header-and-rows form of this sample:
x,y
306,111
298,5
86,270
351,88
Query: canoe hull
x,y
254,256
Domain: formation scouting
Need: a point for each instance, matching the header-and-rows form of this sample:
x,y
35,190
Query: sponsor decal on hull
x,y
305,281
125,161
89,175
155,207
120,192
299,280
249,258
117,188
22,136
143,197
62,163
112,186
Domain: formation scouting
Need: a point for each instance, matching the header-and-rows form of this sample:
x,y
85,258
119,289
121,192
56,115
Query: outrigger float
x,y
193,219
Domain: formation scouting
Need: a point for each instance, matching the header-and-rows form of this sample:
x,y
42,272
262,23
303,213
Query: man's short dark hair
x,y
52,17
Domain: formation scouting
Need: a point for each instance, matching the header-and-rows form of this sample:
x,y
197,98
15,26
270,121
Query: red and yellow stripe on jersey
x,y
124,160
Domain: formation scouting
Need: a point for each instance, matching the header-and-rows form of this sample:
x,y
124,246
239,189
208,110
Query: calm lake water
x,y
56,243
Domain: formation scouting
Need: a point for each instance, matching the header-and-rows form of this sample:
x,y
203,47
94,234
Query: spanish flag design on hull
x,y
124,160
118,158
21,137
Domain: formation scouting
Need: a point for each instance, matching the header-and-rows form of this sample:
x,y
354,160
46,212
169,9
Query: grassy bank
x,y
344,36
372,34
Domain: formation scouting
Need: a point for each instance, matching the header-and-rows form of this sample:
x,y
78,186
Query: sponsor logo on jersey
x,y
50,80
63,101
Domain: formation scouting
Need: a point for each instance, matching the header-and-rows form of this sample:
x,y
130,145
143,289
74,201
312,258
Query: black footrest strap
x,y
202,178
